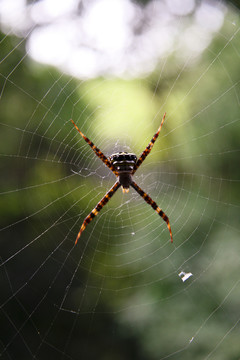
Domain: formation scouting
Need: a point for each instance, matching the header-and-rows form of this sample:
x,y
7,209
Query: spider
x,y
123,165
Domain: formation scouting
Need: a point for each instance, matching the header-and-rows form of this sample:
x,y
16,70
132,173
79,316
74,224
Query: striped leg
x,y
149,147
97,208
96,150
153,205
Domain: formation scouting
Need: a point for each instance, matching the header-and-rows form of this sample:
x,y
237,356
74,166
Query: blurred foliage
x,y
46,201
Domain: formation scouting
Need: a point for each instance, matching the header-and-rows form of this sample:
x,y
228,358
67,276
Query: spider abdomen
x,y
124,164
123,161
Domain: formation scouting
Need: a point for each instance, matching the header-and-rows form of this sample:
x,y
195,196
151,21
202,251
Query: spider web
x,y
124,292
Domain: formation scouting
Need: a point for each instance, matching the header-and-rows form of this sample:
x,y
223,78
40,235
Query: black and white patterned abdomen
x,y
123,161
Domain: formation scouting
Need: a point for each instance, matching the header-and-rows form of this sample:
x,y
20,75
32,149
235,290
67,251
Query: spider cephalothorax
x,y
123,165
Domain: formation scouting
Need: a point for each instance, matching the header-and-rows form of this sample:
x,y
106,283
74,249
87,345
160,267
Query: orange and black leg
x,y
149,147
147,198
96,150
97,208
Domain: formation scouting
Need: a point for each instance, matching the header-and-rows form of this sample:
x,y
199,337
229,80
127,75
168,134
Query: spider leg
x,y
147,198
97,208
149,147
96,150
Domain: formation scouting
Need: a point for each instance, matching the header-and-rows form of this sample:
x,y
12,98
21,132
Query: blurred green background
x,y
117,294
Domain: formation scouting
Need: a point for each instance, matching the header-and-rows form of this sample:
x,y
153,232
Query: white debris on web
x,y
184,276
